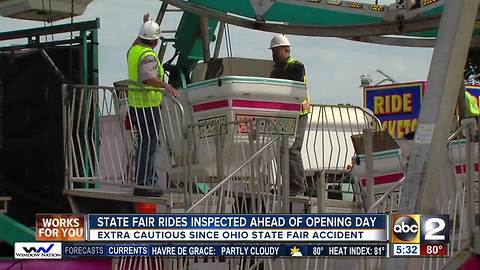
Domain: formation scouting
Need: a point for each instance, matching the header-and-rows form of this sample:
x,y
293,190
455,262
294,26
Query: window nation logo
x,y
40,250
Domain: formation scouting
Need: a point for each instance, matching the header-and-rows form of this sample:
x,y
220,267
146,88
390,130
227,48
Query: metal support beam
x,y
285,175
83,58
397,41
34,44
405,42
94,43
162,51
220,169
470,126
386,28
2,181
251,144
368,146
446,73
50,30
161,13
52,65
321,194
218,44
424,171
462,110
205,38
17,232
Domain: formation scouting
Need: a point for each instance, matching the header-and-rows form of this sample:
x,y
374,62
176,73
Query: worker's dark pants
x,y
297,175
146,121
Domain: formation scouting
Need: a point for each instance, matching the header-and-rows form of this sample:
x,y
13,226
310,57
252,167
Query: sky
x,y
333,65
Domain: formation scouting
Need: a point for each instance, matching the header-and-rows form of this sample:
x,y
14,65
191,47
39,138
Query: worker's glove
x,y
171,90
306,106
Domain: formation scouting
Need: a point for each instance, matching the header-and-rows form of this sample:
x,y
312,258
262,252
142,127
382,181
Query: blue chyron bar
x,y
222,250
293,228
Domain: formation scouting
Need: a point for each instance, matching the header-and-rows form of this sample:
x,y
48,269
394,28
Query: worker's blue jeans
x,y
146,121
296,172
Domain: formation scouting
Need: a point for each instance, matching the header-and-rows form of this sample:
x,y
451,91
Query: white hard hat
x,y
150,30
279,40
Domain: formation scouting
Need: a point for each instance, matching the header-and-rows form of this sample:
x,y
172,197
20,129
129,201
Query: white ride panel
x,y
37,10
238,98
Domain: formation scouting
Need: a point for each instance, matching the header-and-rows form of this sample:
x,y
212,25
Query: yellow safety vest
x,y
471,106
306,103
141,98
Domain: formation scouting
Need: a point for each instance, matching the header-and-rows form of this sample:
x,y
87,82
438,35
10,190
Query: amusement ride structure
x,y
223,142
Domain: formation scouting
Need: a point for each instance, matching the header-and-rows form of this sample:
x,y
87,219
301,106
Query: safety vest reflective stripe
x,y
471,105
305,103
141,98
290,61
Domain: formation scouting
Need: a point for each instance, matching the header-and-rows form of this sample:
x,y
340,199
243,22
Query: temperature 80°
x,y
317,251
433,249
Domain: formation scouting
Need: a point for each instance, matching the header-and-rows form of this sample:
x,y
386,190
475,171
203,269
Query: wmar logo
x,y
41,250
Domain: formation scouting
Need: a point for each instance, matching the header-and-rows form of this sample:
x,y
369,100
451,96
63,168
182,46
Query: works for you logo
x,y
40,250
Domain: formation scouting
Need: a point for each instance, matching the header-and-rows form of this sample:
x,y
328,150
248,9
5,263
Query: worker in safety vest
x,y
145,68
471,107
286,67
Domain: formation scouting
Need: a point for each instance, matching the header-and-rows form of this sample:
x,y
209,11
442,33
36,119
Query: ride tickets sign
x,y
397,106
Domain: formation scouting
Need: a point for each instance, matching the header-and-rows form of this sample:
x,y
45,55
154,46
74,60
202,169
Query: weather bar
x,y
171,250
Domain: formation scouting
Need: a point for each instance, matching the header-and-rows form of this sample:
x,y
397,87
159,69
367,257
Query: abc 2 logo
x,y
419,229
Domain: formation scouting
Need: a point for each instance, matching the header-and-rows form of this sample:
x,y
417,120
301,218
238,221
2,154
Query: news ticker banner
x,y
214,228
397,106
406,235
59,250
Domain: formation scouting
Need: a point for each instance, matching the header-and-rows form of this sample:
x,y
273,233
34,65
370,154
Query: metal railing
x,y
328,148
108,143
105,138
458,200
4,204
229,167
462,205
225,167
234,167
389,201
327,144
